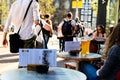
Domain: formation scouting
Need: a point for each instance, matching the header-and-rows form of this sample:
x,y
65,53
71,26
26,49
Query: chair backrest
x,y
118,75
93,46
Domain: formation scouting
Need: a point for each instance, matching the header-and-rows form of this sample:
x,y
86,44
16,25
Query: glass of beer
x,y
85,47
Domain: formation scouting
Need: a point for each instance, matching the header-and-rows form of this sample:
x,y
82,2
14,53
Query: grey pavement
x,y
9,61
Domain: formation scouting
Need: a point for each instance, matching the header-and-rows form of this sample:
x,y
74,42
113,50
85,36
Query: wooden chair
x,y
93,46
70,65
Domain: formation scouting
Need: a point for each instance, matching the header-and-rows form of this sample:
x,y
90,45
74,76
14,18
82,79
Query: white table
x,y
54,73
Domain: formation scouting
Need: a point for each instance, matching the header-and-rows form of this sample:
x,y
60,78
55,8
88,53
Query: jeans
x,y
90,71
46,39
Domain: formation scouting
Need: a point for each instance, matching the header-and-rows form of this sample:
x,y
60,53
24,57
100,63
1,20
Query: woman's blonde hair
x,y
113,38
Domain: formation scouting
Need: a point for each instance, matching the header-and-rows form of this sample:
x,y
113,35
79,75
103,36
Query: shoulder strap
x,y
70,20
41,27
25,14
64,21
27,10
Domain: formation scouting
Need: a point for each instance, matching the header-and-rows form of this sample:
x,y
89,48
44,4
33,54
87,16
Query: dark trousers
x,y
46,39
30,43
39,45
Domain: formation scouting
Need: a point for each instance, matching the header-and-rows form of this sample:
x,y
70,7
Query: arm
x,y
6,28
60,29
36,12
50,24
46,26
5,42
75,29
73,23
94,35
104,36
110,64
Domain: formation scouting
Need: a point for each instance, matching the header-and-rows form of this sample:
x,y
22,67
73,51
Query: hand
x,y
97,72
5,43
100,64
36,22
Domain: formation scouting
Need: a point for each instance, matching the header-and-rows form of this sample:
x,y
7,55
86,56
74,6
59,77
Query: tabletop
x,y
54,73
78,59
88,57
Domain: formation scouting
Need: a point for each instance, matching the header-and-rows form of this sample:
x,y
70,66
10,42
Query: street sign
x,y
74,3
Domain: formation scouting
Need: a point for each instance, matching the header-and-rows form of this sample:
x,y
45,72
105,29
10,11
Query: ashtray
x,y
74,52
42,68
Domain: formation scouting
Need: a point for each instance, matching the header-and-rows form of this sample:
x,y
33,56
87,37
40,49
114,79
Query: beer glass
x,y
85,47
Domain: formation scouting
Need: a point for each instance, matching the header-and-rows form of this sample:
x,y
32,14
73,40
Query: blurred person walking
x,y
79,28
67,29
47,34
25,28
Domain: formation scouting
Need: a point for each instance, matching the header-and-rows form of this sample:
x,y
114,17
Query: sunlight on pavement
x,y
8,66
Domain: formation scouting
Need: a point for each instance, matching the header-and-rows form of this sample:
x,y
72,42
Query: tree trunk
x,y
101,16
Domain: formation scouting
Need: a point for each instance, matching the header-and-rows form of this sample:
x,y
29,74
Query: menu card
x,y
37,56
71,45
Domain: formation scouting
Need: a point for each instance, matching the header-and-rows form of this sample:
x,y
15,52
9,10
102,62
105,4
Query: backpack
x,y
67,28
78,28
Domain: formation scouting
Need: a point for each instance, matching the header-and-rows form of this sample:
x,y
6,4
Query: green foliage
x,y
46,6
4,9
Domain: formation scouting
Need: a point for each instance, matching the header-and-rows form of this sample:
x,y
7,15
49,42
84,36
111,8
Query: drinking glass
x,y
85,47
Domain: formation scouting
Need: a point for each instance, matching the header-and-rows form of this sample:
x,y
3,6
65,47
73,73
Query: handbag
x,y
14,39
15,42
